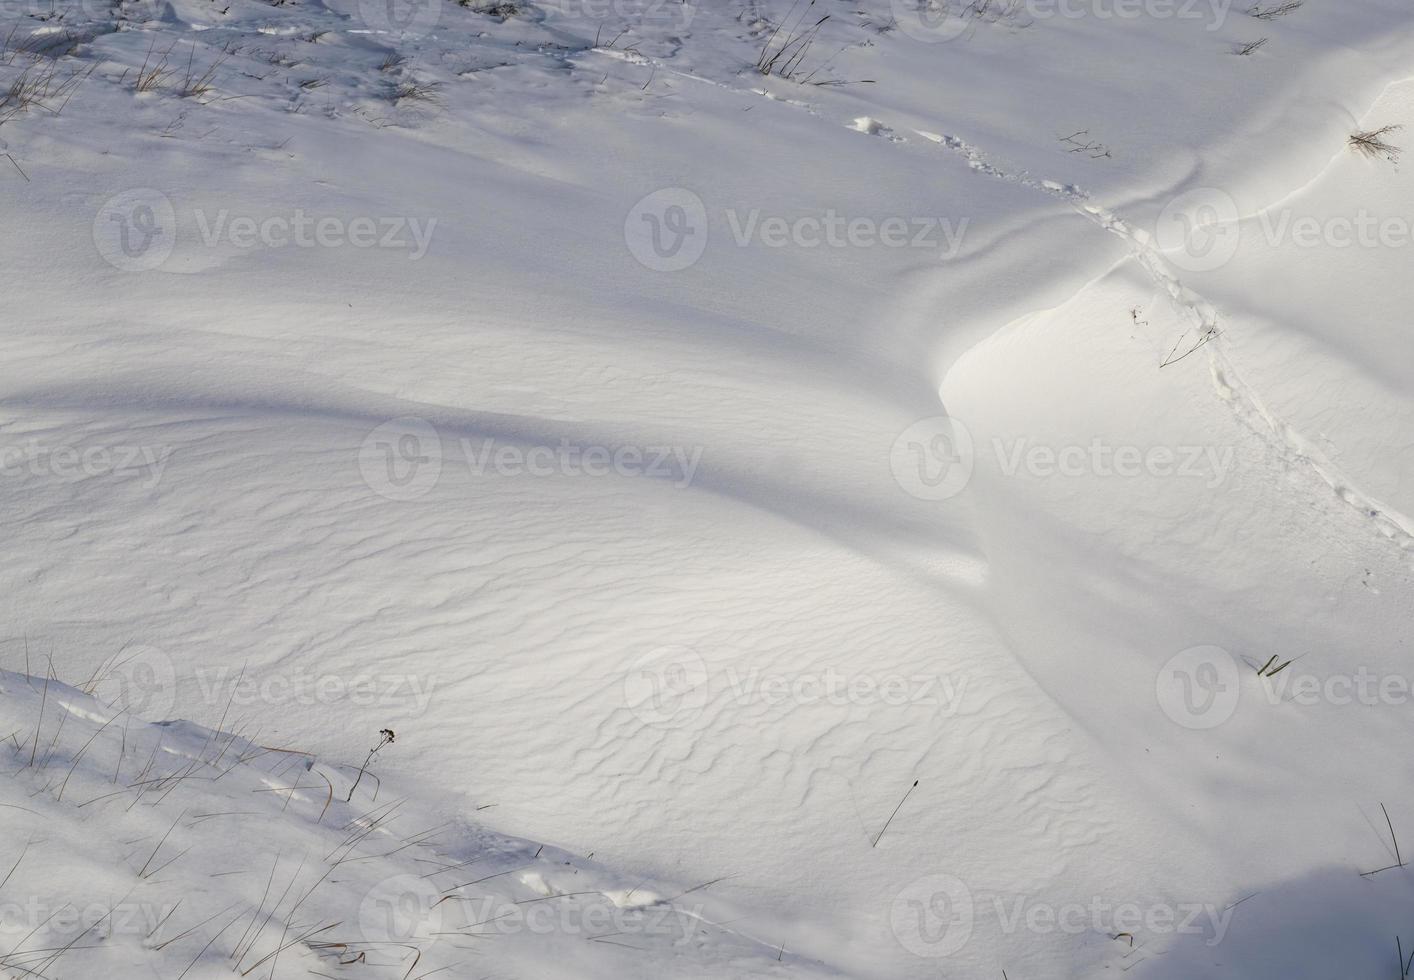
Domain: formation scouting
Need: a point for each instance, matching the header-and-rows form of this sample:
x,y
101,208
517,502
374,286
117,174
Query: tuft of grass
x,y
1080,142
41,85
155,70
1248,47
785,61
500,10
1275,10
1271,669
194,85
1374,144
409,90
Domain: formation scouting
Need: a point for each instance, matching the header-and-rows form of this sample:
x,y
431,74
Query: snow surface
x,y
683,461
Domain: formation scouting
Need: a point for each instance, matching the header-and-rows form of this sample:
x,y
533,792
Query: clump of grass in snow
x,y
1374,144
785,61
155,68
194,85
42,85
1271,668
500,10
1276,10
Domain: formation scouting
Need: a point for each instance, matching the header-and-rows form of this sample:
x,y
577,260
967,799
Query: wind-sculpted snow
x,y
870,498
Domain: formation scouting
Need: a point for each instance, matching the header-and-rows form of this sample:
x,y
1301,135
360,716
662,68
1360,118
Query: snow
x,y
683,461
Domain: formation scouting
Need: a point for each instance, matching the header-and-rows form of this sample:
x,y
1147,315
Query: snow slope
x,y
684,461
170,850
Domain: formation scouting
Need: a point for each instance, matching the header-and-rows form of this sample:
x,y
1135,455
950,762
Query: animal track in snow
x,y
1246,402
